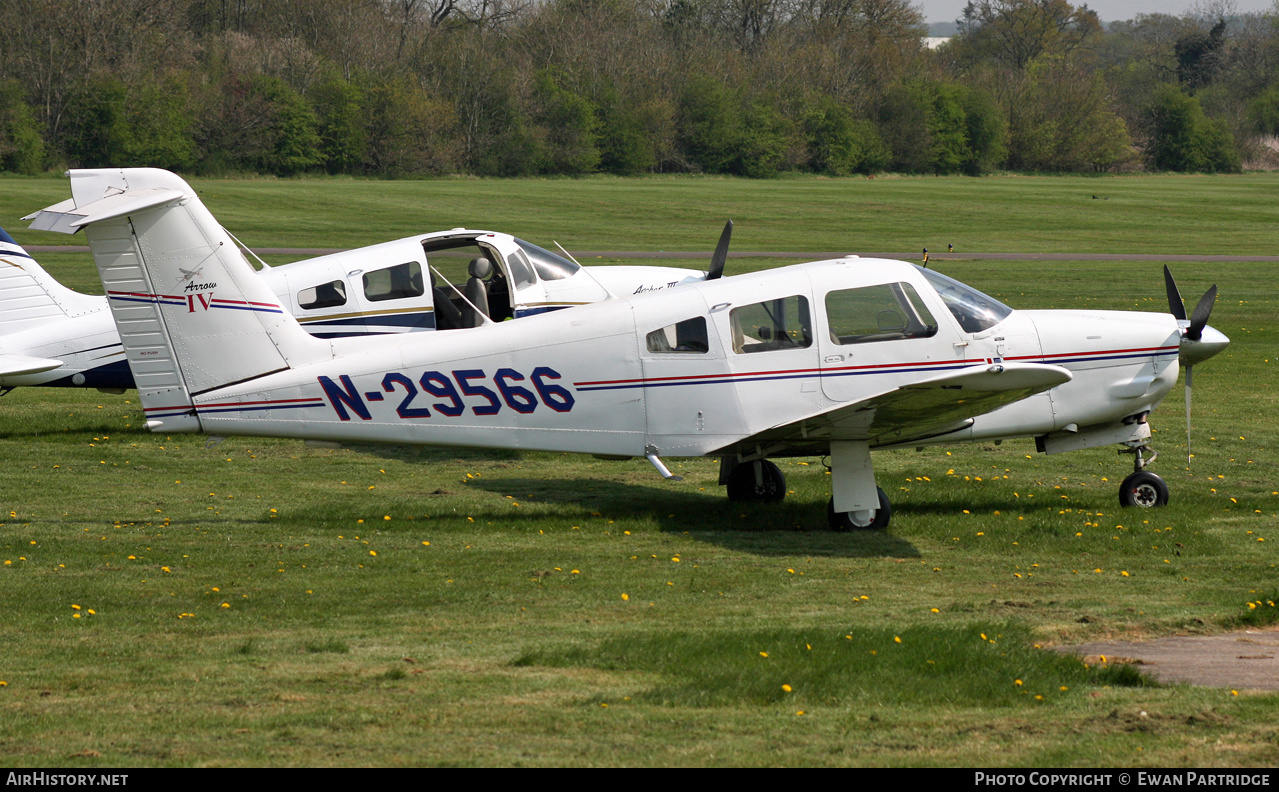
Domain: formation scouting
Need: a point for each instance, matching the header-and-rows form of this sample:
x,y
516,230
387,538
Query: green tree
x,y
96,127
710,124
1065,121
568,128
21,147
409,131
159,126
902,122
342,124
1263,111
1181,137
290,127
840,144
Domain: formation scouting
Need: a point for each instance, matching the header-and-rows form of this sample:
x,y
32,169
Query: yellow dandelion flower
x,y
626,597
763,654
226,604
786,688
1017,682
897,639
77,607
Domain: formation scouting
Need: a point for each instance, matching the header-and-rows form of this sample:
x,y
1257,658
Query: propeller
x,y
1194,347
721,253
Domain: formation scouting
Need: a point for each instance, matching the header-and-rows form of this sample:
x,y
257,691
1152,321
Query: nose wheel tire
x,y
1143,489
760,481
868,520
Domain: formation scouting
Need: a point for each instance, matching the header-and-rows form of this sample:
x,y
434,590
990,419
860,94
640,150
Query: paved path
x,y
1241,660
810,256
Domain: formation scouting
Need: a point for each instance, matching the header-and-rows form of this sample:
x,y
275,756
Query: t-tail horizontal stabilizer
x,y
192,314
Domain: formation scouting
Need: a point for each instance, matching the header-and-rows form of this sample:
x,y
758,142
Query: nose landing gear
x,y
1142,488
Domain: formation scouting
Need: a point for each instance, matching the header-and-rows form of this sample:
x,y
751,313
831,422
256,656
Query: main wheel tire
x,y
743,487
842,522
1143,489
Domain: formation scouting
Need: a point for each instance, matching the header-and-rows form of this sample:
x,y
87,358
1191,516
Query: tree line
x,y
401,88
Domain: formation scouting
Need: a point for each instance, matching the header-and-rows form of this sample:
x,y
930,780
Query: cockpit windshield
x,y
549,266
973,310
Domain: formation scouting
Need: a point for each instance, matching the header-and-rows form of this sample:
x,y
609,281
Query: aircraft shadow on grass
x,y
763,529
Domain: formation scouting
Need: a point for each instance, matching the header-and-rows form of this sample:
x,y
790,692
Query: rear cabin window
x,y
688,336
394,283
886,312
772,325
326,295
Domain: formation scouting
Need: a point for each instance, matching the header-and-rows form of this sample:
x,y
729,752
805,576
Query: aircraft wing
x,y
15,365
927,408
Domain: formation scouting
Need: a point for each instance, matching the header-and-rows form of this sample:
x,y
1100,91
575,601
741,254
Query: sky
x,y
1108,10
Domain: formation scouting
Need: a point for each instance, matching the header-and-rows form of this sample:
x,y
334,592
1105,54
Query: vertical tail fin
x,y
192,314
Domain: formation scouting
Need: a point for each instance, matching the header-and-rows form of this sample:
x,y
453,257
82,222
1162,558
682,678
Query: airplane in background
x,y
55,337
831,358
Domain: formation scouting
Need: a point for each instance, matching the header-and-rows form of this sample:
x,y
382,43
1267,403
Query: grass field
x,y
1141,214
163,602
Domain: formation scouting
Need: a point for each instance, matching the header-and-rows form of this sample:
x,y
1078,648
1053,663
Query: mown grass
x,y
252,604
1172,214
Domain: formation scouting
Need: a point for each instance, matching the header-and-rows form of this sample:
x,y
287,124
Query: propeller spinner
x,y
1198,341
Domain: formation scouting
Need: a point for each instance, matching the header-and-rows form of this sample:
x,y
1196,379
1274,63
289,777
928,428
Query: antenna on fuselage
x,y
587,270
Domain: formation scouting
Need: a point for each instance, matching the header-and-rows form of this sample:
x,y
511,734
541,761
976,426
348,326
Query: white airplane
x,y
830,357
53,336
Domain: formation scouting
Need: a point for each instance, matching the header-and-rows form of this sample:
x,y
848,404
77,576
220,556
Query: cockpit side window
x,y
394,283
772,325
973,310
325,295
688,336
549,266
521,269
885,312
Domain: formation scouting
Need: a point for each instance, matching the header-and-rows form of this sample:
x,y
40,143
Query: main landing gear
x,y
759,481
1142,488
857,503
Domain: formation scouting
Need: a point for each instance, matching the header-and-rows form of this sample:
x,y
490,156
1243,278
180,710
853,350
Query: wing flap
x,y
928,408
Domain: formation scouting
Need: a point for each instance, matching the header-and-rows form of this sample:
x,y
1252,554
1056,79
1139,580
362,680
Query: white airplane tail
x,y
29,296
192,314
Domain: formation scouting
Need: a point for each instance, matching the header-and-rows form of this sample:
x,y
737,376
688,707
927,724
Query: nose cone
x,y
1209,343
